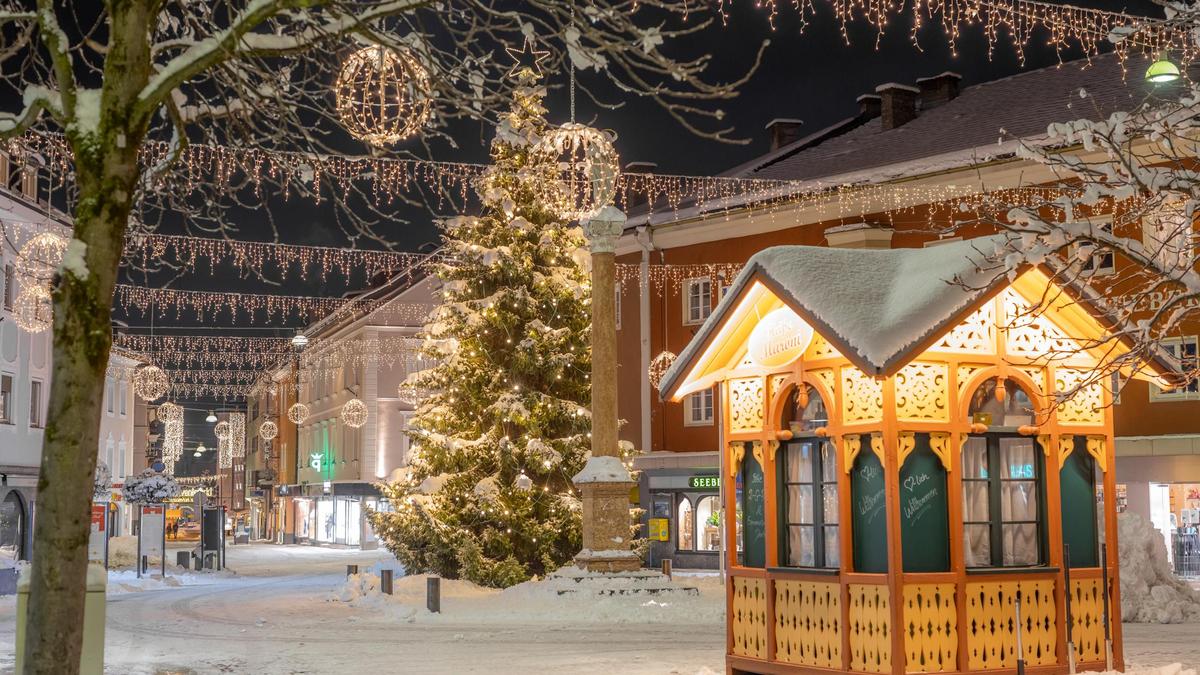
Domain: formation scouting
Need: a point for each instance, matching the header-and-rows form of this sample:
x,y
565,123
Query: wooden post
x,y
385,581
433,594
666,567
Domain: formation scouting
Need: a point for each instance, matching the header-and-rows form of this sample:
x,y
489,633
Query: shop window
x,y
1002,492
687,525
697,300
699,409
1077,489
1185,351
1010,407
708,524
924,512
809,504
868,494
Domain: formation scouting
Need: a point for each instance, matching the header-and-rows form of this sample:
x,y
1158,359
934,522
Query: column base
x,y
608,562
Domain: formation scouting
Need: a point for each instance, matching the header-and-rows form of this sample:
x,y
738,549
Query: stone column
x,y
604,481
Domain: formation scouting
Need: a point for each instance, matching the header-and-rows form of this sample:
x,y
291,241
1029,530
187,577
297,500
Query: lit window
x,y
708,524
697,300
810,502
698,408
1184,350
109,394
1002,519
6,404
124,394
1101,261
687,525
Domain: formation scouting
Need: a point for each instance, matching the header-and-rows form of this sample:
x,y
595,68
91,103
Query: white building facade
x,y
339,466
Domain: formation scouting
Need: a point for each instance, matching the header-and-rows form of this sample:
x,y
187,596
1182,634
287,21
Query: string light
x,y
237,434
33,310
659,367
297,413
39,258
208,305
354,413
383,95
588,168
221,430
150,382
268,430
170,412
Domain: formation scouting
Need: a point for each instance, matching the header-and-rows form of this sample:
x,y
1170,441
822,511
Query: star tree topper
x,y
518,55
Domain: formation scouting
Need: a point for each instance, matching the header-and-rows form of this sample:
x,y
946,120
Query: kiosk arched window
x,y
1003,474
808,480
687,525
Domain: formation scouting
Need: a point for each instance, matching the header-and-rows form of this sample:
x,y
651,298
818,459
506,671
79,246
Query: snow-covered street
x,y
288,609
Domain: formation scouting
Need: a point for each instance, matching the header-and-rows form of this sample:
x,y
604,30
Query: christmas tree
x,y
505,426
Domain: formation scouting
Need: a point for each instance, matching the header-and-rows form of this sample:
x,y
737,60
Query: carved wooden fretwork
x,y
1085,406
939,443
829,379
964,373
1037,374
877,447
908,441
1097,448
921,394
737,451
851,446
1066,445
777,385
820,348
756,447
975,335
1031,334
862,397
746,404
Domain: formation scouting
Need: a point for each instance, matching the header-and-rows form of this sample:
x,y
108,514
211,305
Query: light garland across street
x,y
209,305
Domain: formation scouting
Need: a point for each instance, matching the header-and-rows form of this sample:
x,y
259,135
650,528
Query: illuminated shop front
x,y
336,519
900,473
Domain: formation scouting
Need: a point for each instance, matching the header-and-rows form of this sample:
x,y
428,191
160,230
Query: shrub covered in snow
x,y
1150,593
150,487
102,482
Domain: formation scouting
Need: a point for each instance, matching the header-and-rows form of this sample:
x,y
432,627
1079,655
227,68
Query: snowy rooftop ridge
x,y
875,305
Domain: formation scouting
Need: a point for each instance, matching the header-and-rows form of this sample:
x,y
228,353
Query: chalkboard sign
x,y
924,519
868,499
754,530
1077,486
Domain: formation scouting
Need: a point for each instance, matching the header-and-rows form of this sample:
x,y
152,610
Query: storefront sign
x,y
780,338
98,536
704,482
152,538
659,529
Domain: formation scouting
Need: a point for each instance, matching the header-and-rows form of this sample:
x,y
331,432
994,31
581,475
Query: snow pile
x,y
558,599
101,482
1150,593
122,552
1173,669
603,470
127,581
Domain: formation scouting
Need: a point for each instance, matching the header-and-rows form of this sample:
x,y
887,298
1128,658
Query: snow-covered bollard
x,y
433,594
91,658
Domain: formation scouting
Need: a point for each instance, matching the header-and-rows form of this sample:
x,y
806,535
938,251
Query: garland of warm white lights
x,y
207,305
195,390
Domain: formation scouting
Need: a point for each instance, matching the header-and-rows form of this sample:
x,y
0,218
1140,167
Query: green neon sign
x,y
711,482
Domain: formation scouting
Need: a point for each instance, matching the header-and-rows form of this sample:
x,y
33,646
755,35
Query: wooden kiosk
x,y
898,469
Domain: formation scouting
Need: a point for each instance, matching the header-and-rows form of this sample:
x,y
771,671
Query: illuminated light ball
x,y
354,413
659,367
150,383
298,413
383,95
33,311
588,169
268,430
222,430
39,258
524,482
170,412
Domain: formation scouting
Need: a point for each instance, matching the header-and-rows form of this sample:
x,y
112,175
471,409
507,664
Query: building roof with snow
x,y
880,308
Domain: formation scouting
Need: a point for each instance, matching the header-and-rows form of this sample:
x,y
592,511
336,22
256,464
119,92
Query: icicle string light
x,y
208,305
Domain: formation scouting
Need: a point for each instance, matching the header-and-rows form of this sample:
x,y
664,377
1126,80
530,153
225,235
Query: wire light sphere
x,y
354,413
170,412
150,383
659,367
39,258
33,310
411,395
383,95
588,169
297,413
221,430
268,430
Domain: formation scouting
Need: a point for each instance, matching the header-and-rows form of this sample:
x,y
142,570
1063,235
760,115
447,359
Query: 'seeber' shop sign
x,y
780,338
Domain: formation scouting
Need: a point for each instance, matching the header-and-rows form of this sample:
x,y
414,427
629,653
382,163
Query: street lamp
x,y
212,417
1162,71
299,340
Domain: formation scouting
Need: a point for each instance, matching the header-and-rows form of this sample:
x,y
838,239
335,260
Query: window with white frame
x,y
697,300
1099,261
1171,239
698,408
122,447
124,389
617,303
109,393
35,404
6,399
10,286
1184,350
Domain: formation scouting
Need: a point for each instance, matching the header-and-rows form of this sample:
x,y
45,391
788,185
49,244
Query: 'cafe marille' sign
x,y
779,338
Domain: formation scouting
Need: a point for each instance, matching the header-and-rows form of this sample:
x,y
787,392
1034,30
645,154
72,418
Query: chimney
x,y
859,235
869,106
938,89
899,104
636,194
783,131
